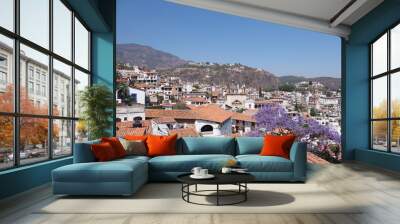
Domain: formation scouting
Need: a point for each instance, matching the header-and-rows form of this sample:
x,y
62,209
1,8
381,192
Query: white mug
x,y
226,170
203,172
196,171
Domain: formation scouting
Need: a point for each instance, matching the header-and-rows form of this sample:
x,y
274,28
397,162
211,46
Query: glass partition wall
x,y
385,91
44,64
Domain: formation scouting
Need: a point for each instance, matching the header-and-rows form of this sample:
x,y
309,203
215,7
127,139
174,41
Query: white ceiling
x,y
327,16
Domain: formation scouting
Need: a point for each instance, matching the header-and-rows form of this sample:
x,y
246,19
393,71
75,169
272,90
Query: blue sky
x,y
202,35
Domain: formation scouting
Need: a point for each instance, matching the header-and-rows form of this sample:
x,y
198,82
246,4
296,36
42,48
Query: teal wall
x,y
99,15
24,178
356,85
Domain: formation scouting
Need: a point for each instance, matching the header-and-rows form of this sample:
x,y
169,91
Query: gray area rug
x,y
166,198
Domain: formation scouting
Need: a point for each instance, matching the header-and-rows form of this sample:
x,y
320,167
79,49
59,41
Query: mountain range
x,y
228,74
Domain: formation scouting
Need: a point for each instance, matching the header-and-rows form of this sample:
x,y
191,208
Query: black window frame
x,y
388,74
16,115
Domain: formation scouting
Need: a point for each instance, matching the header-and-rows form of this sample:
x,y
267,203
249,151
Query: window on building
x,y
6,74
3,61
44,77
37,89
3,78
385,97
30,87
30,73
55,127
44,91
62,73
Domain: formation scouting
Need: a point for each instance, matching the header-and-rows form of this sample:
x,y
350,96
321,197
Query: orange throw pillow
x,y
135,137
161,145
277,145
116,145
103,152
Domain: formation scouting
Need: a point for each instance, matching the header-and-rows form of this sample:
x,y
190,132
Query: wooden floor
x,y
379,189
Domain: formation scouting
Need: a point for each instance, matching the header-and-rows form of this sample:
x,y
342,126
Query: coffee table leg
x,y
195,188
217,194
245,193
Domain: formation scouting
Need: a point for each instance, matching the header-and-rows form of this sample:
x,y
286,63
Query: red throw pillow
x,y
135,137
103,152
277,145
161,145
116,145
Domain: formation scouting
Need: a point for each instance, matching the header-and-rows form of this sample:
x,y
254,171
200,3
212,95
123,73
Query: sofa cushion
x,y
275,145
249,145
206,145
112,171
257,163
103,152
116,145
185,163
161,145
134,147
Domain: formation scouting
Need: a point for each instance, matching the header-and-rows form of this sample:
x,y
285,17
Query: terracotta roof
x,y
313,159
125,124
209,112
243,117
184,132
212,112
131,131
196,99
250,111
164,120
176,114
146,123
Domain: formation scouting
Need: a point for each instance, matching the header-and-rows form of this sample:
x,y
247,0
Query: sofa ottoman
x,y
118,177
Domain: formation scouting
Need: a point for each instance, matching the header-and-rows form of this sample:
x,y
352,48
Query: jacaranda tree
x,y
274,116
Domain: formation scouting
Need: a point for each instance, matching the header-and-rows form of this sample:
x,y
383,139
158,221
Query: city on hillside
x,y
162,102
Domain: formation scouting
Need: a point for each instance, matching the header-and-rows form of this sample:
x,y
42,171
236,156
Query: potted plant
x,y
97,104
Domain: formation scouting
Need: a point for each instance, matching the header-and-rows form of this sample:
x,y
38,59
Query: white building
x,y
34,81
134,110
235,101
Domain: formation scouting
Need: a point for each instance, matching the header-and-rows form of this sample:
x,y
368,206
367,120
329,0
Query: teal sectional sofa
x,y
125,176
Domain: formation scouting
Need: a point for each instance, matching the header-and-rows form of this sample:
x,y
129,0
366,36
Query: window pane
x,y
395,94
81,45
379,97
62,138
379,55
7,14
81,81
6,74
35,21
62,89
34,97
81,132
33,139
379,135
6,142
62,29
395,136
395,47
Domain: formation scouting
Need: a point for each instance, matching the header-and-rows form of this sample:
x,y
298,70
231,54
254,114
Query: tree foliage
x,y
308,130
379,128
33,131
287,87
97,103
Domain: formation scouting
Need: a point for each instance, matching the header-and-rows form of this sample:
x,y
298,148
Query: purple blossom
x,y
273,116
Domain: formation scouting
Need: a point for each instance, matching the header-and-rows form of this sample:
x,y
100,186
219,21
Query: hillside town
x,y
151,103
